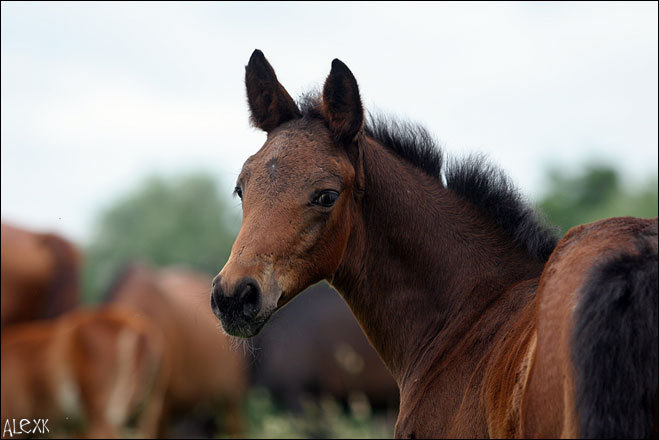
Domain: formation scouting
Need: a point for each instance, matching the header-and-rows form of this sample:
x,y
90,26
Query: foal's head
x,y
300,194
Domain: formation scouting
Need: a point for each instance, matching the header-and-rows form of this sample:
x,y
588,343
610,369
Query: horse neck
x,y
421,264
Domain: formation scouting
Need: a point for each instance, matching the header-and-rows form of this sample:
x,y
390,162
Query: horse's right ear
x,y
269,102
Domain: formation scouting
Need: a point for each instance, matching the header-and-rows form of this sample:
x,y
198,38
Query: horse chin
x,y
241,328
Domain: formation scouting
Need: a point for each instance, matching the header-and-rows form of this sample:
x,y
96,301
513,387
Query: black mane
x,y
478,181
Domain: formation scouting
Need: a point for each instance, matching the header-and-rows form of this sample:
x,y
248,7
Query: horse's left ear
x,y
342,104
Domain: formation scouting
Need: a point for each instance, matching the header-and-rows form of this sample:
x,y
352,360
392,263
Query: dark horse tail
x,y
614,349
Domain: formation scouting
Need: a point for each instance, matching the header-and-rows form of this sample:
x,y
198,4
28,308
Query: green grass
x,y
325,418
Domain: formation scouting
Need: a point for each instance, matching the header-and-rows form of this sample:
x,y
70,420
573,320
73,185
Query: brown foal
x,y
489,324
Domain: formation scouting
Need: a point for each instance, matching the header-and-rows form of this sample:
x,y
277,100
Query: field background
x,y
124,126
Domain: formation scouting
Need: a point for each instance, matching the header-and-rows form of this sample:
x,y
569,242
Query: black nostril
x,y
217,295
248,294
245,302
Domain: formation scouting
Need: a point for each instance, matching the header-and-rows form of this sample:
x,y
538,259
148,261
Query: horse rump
x,y
614,349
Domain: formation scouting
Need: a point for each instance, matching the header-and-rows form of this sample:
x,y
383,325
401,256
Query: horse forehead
x,y
294,155
300,142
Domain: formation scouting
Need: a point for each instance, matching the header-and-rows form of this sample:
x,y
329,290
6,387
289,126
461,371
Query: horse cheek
x,y
337,244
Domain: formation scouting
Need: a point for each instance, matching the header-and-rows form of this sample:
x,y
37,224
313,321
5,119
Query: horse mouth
x,y
237,325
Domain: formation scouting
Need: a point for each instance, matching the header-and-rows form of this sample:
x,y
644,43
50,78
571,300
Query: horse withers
x,y
490,325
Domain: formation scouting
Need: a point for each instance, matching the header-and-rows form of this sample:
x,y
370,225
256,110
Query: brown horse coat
x,y
208,374
94,373
39,275
523,385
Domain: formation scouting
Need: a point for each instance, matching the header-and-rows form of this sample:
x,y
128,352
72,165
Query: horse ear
x,y
342,104
269,102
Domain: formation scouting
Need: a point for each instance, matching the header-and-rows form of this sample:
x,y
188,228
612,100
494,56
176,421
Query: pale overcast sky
x,y
96,96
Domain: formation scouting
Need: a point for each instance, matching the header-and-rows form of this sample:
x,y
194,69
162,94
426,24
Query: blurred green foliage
x,y
165,221
595,193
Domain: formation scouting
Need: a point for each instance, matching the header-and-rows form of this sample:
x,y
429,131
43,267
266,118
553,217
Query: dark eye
x,y
238,191
326,198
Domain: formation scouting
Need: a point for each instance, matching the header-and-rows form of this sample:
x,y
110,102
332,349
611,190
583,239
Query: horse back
x,y
39,275
594,371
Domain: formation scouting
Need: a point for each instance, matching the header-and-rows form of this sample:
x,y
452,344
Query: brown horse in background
x,y
39,275
315,348
489,324
208,376
93,373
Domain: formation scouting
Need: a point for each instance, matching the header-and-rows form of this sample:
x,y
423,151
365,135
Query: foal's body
x,y
441,376
509,373
489,327
482,366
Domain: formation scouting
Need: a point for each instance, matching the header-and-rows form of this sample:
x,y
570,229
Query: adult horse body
x,y
316,348
490,326
39,275
94,373
207,375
